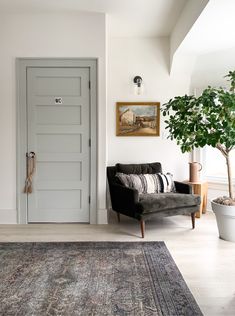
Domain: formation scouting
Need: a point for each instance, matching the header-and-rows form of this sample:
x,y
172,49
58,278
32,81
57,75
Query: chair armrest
x,y
124,200
182,187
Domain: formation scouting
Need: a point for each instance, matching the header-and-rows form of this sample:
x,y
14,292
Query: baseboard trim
x,y
217,186
8,216
102,216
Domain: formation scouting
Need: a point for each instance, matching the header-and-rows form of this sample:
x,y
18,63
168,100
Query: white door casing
x,y
60,111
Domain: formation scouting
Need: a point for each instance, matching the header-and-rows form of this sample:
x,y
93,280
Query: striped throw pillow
x,y
124,178
143,183
166,183
152,182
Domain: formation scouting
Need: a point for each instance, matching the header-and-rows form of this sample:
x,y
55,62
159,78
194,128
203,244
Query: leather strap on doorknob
x,y
31,167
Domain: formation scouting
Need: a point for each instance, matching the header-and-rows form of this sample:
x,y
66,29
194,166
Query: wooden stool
x,y
200,188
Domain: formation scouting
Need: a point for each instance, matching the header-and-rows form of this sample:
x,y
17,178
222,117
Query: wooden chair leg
x,y
142,227
118,216
193,219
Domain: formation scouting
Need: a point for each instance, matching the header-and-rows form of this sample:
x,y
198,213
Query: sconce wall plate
x,y
138,85
138,80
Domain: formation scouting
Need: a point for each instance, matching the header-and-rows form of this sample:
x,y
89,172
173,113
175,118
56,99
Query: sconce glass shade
x,y
138,90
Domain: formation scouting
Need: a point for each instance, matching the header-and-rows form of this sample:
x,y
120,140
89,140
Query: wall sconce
x,y
138,85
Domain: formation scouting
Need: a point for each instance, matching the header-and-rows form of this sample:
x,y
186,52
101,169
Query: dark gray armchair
x,y
129,202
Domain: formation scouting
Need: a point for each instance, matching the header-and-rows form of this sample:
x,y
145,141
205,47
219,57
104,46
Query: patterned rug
x,y
92,278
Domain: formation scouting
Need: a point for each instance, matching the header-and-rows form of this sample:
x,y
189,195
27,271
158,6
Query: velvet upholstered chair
x,y
128,201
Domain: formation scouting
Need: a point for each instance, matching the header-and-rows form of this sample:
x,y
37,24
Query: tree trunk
x,y
230,184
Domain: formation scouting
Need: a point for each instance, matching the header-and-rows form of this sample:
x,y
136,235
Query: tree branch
x,y
222,150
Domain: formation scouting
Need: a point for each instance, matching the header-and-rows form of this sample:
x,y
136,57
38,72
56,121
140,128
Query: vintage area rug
x,y
92,278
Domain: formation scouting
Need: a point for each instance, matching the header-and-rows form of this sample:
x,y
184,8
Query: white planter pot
x,y
225,216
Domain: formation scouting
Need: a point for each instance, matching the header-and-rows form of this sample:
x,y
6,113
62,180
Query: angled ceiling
x,y
204,27
126,18
213,30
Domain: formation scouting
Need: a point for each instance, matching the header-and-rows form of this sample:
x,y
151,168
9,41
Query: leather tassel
x,y
31,167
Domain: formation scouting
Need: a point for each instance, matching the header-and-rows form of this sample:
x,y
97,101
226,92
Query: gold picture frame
x,y
137,118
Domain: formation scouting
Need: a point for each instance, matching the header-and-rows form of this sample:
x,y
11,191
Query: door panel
x,y
52,85
59,199
62,115
59,171
58,143
58,132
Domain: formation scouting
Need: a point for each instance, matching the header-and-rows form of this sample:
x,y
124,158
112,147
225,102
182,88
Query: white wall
x,y
211,68
148,58
45,35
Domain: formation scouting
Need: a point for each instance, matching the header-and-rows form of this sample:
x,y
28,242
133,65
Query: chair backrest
x,y
154,167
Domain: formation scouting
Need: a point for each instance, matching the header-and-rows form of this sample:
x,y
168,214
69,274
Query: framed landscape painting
x,y
138,119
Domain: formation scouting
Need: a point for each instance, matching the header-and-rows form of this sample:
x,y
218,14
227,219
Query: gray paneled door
x,y
58,115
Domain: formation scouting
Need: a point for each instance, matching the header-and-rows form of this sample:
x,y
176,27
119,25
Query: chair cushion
x,y
158,202
154,167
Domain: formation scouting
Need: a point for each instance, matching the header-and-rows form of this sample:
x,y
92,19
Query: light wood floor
x,y
206,262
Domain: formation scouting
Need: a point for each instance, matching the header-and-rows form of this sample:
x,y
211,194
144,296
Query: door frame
x,y
21,138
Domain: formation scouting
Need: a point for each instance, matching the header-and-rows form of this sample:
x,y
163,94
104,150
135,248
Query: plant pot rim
x,y
213,201
218,208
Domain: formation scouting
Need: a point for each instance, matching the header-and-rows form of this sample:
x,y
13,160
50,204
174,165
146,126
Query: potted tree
x,y
208,120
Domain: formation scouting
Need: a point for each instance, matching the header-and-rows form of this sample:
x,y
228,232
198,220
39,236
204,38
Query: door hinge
x,y
89,199
89,84
89,142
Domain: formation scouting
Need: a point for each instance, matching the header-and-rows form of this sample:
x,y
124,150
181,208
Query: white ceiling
x,y
126,18
212,31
